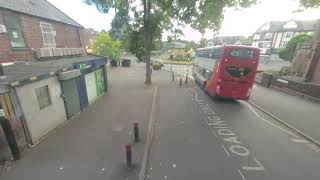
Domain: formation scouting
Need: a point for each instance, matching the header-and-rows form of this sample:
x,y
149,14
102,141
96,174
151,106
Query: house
x,y
89,35
175,50
236,40
27,25
46,77
273,35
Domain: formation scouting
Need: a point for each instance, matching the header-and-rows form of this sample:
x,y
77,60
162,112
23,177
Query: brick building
x,y
274,35
50,78
88,37
27,25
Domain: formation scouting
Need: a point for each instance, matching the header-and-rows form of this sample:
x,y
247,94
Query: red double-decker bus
x,y
226,71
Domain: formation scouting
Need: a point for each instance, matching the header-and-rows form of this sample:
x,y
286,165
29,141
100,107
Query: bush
x,y
105,45
288,52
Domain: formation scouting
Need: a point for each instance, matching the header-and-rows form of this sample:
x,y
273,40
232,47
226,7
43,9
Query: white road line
x,y
314,147
299,140
242,176
288,132
254,111
260,167
225,150
263,119
197,98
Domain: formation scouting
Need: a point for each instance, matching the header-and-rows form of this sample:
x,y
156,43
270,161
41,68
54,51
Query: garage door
x,y
71,96
91,87
100,82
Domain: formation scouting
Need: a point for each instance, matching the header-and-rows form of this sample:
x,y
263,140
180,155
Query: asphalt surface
x,y
199,138
296,111
195,138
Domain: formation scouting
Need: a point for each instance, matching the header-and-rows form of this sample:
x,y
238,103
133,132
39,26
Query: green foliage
x,y
310,3
105,45
288,52
203,42
136,44
159,15
191,46
120,22
201,15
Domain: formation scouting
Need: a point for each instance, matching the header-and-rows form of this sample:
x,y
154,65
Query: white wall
x,y
40,122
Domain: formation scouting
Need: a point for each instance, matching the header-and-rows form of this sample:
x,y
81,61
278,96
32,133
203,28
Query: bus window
x,y
215,53
245,54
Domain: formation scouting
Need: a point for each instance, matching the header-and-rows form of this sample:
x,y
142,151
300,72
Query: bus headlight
x,y
218,89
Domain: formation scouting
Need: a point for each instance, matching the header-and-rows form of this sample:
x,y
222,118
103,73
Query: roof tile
x,y
39,8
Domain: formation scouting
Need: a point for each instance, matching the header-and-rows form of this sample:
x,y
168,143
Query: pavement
x,y
194,137
296,111
92,145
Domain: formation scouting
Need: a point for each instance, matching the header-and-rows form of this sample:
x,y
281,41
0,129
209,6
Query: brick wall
x,y
301,59
66,36
316,74
88,36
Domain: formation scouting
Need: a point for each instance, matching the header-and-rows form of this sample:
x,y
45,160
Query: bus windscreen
x,y
241,53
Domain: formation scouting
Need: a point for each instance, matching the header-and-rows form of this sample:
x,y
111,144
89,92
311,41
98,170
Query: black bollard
x,y
136,131
180,81
129,155
172,76
187,79
7,129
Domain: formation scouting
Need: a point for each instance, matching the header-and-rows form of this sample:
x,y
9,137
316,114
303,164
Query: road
x,y
194,138
296,111
198,138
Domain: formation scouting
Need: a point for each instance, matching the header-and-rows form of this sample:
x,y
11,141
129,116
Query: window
x,y
43,97
268,36
266,45
256,37
288,35
243,53
14,32
48,35
215,54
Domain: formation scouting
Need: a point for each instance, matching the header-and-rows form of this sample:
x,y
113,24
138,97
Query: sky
x,y
237,22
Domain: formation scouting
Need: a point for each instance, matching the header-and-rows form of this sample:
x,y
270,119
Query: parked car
x,y
156,62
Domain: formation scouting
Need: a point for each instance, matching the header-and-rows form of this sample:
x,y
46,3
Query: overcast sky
x,y
236,22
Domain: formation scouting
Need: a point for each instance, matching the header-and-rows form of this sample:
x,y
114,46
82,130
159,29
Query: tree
x,y
164,14
203,42
191,46
287,53
136,44
105,45
157,15
310,3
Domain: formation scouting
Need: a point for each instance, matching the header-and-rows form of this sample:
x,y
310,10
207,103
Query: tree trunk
x,y
147,38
